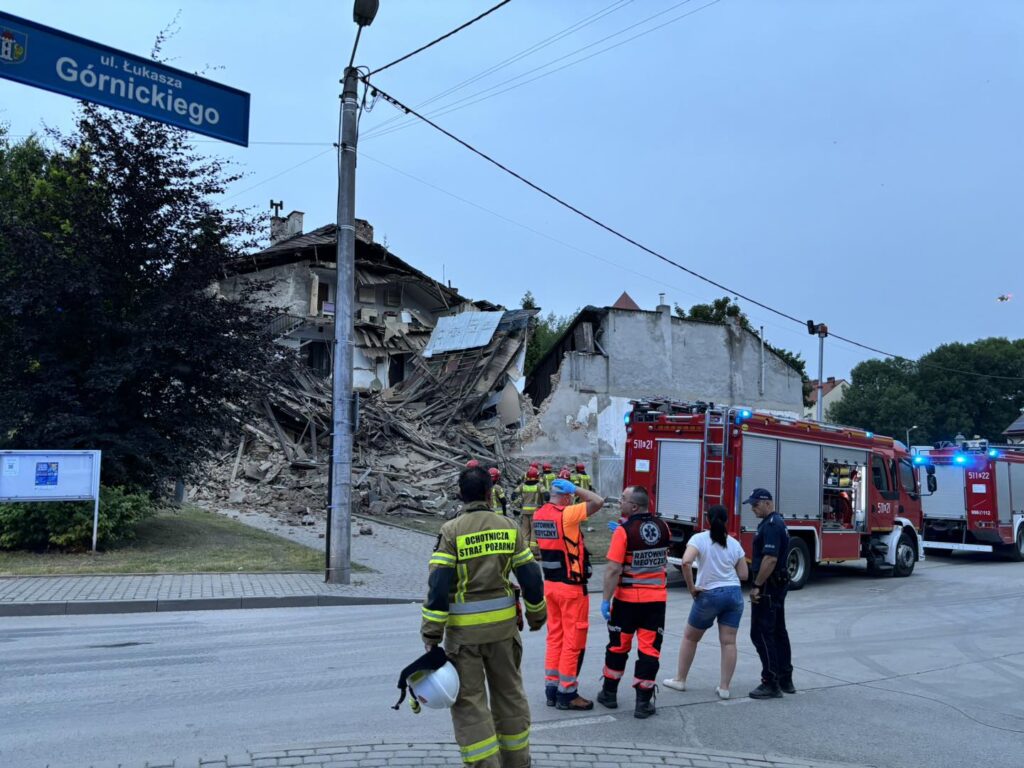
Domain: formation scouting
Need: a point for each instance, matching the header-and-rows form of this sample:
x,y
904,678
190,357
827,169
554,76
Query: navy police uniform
x,y
768,615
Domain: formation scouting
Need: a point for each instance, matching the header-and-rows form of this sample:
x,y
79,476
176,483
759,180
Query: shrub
x,y
67,525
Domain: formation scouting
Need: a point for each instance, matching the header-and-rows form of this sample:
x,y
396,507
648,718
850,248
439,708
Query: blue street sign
x,y
48,58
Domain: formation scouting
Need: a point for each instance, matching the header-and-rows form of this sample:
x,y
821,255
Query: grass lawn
x,y
188,540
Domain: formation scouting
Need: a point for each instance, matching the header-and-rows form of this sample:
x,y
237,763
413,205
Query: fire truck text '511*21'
x,y
844,493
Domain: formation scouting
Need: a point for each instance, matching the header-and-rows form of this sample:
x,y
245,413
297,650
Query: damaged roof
x,y
372,260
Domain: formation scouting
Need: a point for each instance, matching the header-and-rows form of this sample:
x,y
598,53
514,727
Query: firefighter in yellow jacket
x,y
471,606
530,494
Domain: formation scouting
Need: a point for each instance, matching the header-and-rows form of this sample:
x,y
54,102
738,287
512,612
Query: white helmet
x,y
437,688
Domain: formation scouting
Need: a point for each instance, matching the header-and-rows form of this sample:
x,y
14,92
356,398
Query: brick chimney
x,y
281,228
364,231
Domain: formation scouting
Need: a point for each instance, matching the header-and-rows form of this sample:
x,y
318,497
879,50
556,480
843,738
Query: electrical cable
x,y
622,236
445,36
540,45
471,99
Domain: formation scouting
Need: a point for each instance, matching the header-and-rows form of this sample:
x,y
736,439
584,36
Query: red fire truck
x,y
980,503
845,494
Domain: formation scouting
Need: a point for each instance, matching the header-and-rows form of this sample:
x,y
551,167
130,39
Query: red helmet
x,y
547,467
495,474
565,474
580,468
532,473
472,464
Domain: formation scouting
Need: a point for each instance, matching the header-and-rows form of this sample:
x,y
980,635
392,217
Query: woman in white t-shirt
x,y
721,568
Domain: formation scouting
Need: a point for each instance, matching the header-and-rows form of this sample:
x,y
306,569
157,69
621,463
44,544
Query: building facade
x,y
610,356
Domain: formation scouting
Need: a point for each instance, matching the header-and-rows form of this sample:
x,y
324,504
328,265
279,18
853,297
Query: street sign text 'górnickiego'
x,y
47,58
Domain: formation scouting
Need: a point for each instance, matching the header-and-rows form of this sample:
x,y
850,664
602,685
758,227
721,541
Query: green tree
x,y
881,397
111,337
941,393
544,332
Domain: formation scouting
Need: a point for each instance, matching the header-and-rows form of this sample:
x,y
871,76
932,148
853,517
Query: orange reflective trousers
x,y
568,622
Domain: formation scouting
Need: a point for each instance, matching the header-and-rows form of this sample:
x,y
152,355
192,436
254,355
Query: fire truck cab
x,y
844,493
980,503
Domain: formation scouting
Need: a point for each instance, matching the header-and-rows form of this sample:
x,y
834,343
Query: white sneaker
x,y
721,694
675,685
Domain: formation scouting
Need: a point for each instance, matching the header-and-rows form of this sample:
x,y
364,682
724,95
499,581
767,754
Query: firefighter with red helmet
x,y
549,476
565,474
636,577
580,478
498,502
566,566
472,464
530,495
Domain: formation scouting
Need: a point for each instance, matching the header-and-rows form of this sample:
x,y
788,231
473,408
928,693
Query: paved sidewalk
x,y
382,754
397,556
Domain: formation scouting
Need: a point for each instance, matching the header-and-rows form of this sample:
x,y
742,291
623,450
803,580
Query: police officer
x,y
530,495
636,576
566,565
471,606
768,598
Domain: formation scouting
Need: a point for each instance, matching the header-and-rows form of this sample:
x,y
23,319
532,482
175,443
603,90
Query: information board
x,y
52,476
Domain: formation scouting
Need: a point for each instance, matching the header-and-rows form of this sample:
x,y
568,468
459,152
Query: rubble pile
x,y
410,443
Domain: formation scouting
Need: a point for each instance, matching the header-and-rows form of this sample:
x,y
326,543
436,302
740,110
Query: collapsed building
x,y
608,356
439,380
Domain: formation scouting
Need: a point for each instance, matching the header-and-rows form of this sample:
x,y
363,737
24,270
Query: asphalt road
x,y
926,671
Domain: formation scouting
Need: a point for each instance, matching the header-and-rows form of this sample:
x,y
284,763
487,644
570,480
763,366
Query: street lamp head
x,y
364,11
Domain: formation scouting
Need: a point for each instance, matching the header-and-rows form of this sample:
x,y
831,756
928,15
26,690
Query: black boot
x,y
644,703
608,695
786,684
551,693
766,691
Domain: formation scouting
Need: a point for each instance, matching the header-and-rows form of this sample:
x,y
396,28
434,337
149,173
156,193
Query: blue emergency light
x,y
869,435
993,453
919,460
959,459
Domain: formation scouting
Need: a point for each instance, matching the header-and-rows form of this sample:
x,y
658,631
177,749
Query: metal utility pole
x,y
908,435
339,547
822,331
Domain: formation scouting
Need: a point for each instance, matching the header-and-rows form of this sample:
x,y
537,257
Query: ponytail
x,y
718,517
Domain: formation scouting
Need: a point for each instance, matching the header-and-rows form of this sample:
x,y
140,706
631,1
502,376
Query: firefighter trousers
x,y
769,635
497,736
526,526
647,622
568,623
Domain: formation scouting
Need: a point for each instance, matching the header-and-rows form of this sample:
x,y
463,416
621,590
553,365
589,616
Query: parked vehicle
x,y
980,503
845,493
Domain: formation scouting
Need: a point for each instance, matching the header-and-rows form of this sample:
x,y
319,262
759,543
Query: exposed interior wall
x,y
287,287
652,354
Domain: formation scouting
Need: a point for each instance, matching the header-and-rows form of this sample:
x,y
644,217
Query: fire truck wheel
x,y
1018,549
798,561
906,556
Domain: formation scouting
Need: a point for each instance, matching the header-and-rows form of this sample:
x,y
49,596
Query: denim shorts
x,y
723,603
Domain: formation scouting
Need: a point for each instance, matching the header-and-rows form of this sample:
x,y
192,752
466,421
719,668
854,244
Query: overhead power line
x,y
637,244
445,36
517,81
507,62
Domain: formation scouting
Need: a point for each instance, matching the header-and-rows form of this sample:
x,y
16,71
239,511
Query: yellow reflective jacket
x,y
470,599
531,496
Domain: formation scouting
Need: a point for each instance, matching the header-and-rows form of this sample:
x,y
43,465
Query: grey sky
x,y
852,162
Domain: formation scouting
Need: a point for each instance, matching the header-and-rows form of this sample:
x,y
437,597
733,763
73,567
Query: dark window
x,y
323,296
907,476
879,475
367,294
393,295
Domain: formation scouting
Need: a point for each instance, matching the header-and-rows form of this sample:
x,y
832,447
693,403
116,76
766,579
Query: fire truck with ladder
x,y
845,494
980,503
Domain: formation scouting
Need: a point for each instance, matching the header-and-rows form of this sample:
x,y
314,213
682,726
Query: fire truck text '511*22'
x,y
844,493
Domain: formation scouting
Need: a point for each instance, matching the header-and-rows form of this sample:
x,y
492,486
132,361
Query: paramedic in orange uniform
x,y
566,565
636,575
